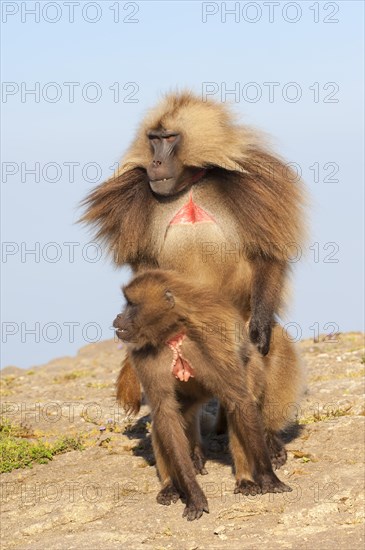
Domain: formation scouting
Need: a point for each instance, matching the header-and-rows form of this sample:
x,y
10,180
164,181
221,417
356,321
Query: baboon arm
x,y
162,462
169,431
266,290
129,392
168,427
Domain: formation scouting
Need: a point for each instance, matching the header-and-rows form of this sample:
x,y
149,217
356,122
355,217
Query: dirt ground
x,y
105,495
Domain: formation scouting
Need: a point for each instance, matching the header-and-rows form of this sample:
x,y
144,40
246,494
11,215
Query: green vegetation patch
x,y
17,450
72,375
326,415
7,384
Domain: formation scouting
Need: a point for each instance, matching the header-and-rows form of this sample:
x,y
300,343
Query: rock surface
x,y
105,496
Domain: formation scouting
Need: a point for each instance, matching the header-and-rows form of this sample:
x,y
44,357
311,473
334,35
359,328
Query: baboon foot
x,y
268,483
246,487
167,495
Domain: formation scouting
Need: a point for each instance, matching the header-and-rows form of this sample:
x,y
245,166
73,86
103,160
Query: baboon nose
x,y
115,322
156,163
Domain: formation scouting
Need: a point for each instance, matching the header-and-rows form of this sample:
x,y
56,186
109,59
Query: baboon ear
x,y
170,298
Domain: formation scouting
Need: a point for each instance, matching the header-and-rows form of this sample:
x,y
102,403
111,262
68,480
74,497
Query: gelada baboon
x,y
188,345
202,195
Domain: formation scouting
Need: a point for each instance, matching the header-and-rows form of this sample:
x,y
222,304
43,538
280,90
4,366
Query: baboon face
x,y
166,172
149,316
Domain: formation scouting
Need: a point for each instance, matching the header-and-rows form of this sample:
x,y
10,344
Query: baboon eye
x,y
171,139
152,137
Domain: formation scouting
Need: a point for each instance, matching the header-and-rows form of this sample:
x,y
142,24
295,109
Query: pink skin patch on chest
x,y
191,213
181,369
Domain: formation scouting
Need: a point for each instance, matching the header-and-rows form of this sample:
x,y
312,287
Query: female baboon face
x,y
149,316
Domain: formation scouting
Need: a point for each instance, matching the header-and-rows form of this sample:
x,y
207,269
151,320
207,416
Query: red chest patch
x,y
191,213
180,367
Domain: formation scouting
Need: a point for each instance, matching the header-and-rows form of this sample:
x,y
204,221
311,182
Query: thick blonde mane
x,y
210,135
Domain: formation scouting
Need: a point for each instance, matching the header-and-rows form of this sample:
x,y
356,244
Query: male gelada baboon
x,y
188,345
202,195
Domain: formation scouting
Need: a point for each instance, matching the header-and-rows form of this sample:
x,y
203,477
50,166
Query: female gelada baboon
x,y
202,195
188,345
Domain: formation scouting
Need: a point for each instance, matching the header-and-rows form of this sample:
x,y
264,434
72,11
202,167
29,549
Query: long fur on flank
x,y
262,192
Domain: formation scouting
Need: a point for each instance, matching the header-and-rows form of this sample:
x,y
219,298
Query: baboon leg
x,y
192,429
169,493
244,482
173,443
277,451
221,424
246,424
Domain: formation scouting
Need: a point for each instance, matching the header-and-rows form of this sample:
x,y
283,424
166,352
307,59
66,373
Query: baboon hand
x,y
260,334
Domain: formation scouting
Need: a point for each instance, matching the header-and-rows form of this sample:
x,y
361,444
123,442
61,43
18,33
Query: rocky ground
x,y
104,495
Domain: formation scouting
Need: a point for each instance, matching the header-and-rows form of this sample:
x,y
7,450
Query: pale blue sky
x,y
167,47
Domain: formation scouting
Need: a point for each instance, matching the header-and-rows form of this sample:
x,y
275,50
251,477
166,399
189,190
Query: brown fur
x,y
255,199
259,188
254,391
128,380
